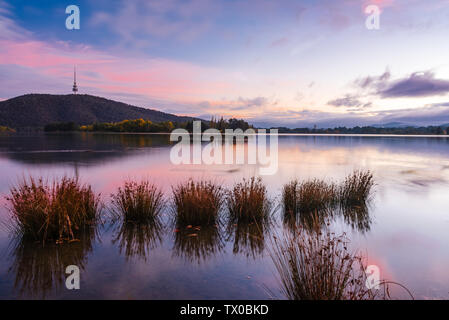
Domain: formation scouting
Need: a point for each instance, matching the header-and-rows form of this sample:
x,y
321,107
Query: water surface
x,y
404,232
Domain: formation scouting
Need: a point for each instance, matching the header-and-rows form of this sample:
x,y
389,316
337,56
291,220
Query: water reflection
x,y
357,217
197,244
249,238
138,239
39,270
411,208
308,220
77,148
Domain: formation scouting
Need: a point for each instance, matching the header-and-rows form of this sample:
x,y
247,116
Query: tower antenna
x,y
75,87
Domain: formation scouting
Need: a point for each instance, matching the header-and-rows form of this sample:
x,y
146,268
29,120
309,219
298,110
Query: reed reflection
x,y
358,217
138,239
312,203
308,220
39,270
250,216
249,238
197,244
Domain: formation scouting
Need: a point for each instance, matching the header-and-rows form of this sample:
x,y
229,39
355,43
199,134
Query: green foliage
x,y
37,110
138,125
6,129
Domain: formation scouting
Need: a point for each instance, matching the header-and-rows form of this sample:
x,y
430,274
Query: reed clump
x,y
356,188
250,211
315,265
197,203
317,196
290,197
59,210
137,202
248,202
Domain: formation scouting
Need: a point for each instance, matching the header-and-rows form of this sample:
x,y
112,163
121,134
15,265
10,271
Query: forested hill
x,y
38,110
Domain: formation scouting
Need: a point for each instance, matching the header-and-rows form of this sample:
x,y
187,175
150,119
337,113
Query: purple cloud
x,y
417,85
351,101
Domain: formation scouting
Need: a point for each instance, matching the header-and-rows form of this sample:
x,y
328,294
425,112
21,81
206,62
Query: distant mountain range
x,y
37,110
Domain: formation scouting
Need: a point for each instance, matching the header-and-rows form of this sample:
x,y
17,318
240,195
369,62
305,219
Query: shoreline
x,y
279,134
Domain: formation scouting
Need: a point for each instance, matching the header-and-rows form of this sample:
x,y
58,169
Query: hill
x,y
37,110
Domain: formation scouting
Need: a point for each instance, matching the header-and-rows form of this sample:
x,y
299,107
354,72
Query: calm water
x,y
405,231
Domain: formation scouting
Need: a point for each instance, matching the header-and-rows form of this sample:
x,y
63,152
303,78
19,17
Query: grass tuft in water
x,y
315,265
197,203
248,202
137,202
317,196
356,188
290,197
59,210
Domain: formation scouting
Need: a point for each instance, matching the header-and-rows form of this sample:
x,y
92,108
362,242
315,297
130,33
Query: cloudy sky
x,y
272,62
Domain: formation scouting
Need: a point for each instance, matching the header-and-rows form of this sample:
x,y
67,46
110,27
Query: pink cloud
x,y
157,78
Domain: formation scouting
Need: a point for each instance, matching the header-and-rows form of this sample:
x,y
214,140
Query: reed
x,y
197,203
137,202
356,188
315,265
59,210
289,198
315,196
248,202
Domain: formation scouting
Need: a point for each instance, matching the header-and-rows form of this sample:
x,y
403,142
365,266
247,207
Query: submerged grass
x,y
197,203
59,210
137,202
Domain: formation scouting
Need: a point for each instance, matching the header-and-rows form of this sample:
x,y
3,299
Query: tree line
x,y
430,130
141,125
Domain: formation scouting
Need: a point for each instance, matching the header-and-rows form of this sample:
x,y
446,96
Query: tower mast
x,y
75,87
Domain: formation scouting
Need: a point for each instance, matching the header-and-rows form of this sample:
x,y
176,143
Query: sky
x,y
272,62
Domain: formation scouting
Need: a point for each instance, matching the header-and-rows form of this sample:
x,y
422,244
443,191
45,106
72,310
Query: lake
x,y
405,231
